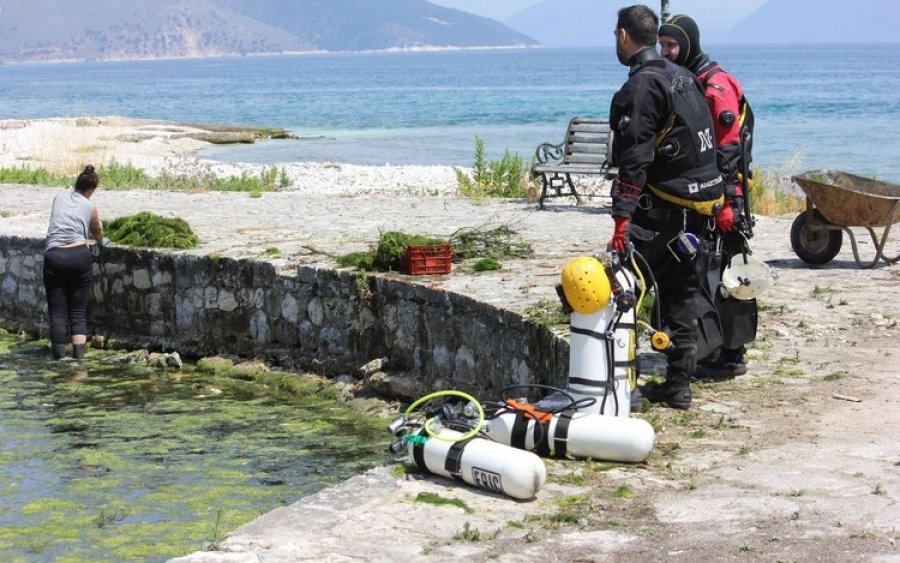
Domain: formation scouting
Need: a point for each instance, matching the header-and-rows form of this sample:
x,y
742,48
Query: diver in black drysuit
x,y
668,185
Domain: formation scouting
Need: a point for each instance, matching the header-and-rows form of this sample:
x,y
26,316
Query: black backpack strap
x,y
704,77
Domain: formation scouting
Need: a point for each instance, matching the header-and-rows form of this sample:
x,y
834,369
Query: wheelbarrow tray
x,y
836,201
849,200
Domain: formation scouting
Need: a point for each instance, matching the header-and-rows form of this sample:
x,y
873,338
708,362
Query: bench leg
x,y
544,183
578,200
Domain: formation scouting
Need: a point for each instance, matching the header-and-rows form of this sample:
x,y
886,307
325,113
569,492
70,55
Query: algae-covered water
x,y
101,460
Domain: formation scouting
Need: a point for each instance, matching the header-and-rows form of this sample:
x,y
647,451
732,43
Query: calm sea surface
x,y
816,106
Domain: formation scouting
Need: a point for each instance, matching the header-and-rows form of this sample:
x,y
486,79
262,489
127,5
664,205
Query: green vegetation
x,y
489,242
487,264
149,230
36,177
624,491
547,312
387,254
507,177
438,500
837,376
468,533
175,459
118,176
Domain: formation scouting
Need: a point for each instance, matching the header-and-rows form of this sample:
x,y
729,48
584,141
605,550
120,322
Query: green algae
x,y
104,461
47,504
146,229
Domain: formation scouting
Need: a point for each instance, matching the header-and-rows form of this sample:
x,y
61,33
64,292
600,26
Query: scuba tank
x,y
600,294
488,465
464,454
573,433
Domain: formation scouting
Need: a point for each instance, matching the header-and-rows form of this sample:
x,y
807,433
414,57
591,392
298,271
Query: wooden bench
x,y
584,151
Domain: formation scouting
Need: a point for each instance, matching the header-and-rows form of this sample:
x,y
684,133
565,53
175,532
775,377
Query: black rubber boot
x,y
58,351
78,351
729,364
676,394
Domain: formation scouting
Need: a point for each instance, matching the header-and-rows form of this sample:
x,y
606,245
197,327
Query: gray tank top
x,y
70,219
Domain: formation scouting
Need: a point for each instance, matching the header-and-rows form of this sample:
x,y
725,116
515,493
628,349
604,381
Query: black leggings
x,y
67,279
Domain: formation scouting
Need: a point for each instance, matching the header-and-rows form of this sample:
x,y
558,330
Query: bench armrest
x,y
548,152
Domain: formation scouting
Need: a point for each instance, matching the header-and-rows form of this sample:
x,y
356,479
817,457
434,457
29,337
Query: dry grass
x,y
773,193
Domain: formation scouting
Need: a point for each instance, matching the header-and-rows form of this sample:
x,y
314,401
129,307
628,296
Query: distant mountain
x,y
568,23
588,23
43,30
814,21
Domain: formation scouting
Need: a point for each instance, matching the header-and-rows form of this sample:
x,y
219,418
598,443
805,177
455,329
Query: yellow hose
x,y
448,393
632,375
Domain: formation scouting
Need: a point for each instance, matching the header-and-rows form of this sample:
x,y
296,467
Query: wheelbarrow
x,y
836,201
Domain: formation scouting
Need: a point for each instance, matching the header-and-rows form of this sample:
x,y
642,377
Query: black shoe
x,y
78,351
720,370
58,351
675,394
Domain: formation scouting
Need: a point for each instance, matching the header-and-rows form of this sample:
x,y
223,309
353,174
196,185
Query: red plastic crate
x,y
422,260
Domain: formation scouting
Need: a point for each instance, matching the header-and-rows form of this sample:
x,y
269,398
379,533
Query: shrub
x,y
507,177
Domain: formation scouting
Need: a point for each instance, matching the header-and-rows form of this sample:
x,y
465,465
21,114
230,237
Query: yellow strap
x,y
744,107
701,207
665,132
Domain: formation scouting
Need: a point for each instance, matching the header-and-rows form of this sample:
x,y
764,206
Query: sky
x,y
716,14
496,9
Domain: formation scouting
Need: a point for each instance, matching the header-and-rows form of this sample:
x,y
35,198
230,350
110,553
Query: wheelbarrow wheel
x,y
817,244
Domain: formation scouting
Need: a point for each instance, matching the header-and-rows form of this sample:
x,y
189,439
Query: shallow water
x,y
103,460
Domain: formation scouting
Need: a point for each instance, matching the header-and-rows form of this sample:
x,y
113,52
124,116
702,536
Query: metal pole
x,y
664,11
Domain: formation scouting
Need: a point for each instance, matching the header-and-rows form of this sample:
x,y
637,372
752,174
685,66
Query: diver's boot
x,y
729,364
671,392
58,351
78,351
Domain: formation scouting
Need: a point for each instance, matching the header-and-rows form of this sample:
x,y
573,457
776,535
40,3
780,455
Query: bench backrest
x,y
588,142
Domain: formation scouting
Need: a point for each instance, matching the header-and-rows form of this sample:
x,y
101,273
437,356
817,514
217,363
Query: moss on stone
x,y
215,365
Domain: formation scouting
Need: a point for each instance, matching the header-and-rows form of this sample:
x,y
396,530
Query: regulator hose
x,y
448,393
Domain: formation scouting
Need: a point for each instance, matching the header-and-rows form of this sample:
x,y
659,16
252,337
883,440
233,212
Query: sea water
x,y
816,106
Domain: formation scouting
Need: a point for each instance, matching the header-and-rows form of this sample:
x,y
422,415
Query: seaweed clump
x,y
149,230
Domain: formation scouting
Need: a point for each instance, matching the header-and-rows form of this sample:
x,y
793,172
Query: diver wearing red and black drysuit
x,y
667,183
680,43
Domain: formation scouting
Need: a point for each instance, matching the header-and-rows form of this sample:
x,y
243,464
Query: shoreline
x,y
64,145
390,50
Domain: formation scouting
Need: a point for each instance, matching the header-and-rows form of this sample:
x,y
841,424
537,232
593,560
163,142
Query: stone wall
x,y
321,320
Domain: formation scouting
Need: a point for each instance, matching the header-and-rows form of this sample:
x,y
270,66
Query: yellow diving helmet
x,y
586,285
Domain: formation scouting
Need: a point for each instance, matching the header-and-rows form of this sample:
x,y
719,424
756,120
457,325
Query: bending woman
x,y
68,267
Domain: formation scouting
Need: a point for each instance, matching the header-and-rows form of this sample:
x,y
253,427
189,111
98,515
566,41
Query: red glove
x,y
725,218
619,241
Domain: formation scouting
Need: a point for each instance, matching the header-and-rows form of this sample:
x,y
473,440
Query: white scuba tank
x,y
576,434
482,463
595,353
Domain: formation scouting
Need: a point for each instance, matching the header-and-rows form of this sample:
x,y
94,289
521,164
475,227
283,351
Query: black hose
x,y
648,273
